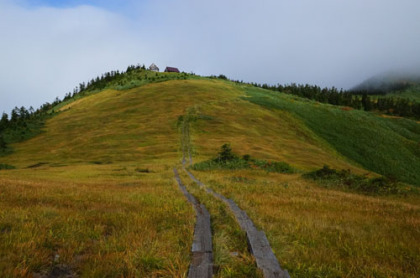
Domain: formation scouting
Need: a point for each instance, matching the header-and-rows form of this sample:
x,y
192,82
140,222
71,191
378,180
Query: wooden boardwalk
x,y
257,240
202,250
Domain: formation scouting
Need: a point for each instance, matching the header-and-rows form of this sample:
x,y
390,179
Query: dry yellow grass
x,y
318,232
94,220
262,133
88,201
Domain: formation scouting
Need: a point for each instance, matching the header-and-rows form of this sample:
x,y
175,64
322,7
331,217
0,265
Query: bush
x,y
346,180
278,167
141,170
246,157
226,159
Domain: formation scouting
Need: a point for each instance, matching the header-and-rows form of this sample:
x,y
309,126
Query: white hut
x,y
153,67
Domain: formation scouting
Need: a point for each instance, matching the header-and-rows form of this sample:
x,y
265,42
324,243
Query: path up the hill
x,y
257,240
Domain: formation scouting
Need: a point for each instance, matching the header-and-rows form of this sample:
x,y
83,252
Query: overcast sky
x,y
47,47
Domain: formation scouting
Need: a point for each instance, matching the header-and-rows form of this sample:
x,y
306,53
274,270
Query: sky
x,y
47,47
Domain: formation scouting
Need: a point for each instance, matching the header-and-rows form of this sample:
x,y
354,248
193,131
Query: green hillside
x,y
388,146
93,193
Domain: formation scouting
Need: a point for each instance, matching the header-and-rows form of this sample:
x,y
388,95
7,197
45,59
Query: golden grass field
x,y
318,232
99,221
87,204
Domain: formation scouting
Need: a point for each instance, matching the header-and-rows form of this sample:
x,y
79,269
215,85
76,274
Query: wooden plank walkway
x,y
202,248
257,240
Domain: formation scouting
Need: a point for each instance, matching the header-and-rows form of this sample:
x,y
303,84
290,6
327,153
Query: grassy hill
x,y
94,194
388,146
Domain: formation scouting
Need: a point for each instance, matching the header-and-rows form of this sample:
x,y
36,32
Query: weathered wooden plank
x,y
202,234
201,265
257,240
202,248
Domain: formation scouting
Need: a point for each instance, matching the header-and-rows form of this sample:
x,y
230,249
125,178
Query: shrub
x,y
246,157
226,159
140,170
6,167
346,180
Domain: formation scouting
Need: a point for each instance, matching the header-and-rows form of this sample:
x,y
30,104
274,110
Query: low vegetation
x,y
228,160
346,180
6,166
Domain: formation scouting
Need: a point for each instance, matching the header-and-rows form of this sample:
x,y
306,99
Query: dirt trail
x,y
257,240
202,249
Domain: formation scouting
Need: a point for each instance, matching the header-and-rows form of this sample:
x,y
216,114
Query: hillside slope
x,y
141,125
94,193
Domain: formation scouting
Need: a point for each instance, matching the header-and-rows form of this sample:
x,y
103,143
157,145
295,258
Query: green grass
x,y
387,146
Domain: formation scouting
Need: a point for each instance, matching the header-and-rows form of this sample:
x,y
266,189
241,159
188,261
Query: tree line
x,y
24,123
356,99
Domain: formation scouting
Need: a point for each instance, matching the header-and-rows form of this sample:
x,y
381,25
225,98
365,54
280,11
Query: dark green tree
x,y
4,121
2,143
367,104
15,115
226,154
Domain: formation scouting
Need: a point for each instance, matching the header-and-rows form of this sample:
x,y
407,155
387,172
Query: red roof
x,y
170,69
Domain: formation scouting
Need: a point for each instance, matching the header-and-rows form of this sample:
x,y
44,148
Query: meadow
x,y
94,221
318,232
93,193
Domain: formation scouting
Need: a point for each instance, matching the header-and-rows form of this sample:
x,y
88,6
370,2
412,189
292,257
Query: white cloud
x,y
45,52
